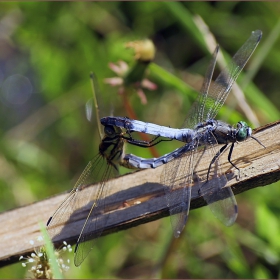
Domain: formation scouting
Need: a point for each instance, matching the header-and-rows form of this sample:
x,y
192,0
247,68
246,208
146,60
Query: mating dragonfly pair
x,y
202,131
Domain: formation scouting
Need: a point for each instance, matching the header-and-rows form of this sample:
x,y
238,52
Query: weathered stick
x,y
138,198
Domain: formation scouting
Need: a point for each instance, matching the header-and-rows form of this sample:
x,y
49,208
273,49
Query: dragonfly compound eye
x,y
243,131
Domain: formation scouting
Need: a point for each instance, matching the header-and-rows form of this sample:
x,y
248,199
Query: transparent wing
x,y
211,99
95,222
219,198
81,198
177,179
223,84
222,202
196,112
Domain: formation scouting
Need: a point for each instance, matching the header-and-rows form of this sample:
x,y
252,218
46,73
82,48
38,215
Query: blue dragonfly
x,y
201,132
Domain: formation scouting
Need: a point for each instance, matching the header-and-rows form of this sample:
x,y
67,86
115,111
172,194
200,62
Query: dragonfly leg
x,y
142,143
229,159
215,158
212,162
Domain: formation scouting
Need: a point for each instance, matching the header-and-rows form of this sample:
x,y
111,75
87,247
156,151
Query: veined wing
x,y
95,223
196,112
97,171
223,84
211,99
177,180
220,198
221,201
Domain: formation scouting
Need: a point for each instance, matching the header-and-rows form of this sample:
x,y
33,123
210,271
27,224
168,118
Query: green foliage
x,y
51,254
46,141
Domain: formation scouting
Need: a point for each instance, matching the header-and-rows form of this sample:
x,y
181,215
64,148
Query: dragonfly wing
x,y
177,179
62,215
212,98
219,198
75,199
95,222
220,89
196,112
81,198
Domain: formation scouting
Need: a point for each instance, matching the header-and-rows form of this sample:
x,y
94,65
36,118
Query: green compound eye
x,y
241,134
244,131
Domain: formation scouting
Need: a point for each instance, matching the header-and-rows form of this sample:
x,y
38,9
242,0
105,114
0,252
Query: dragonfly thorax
x,y
112,144
222,132
225,133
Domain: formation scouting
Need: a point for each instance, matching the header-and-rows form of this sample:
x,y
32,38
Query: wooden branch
x,y
138,198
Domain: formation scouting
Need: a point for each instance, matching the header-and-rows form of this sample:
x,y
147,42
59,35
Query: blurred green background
x,y
47,51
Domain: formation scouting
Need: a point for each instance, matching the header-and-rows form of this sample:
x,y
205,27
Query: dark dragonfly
x,y
104,166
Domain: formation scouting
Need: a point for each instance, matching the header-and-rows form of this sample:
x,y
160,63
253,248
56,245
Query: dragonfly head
x,y
243,131
111,131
